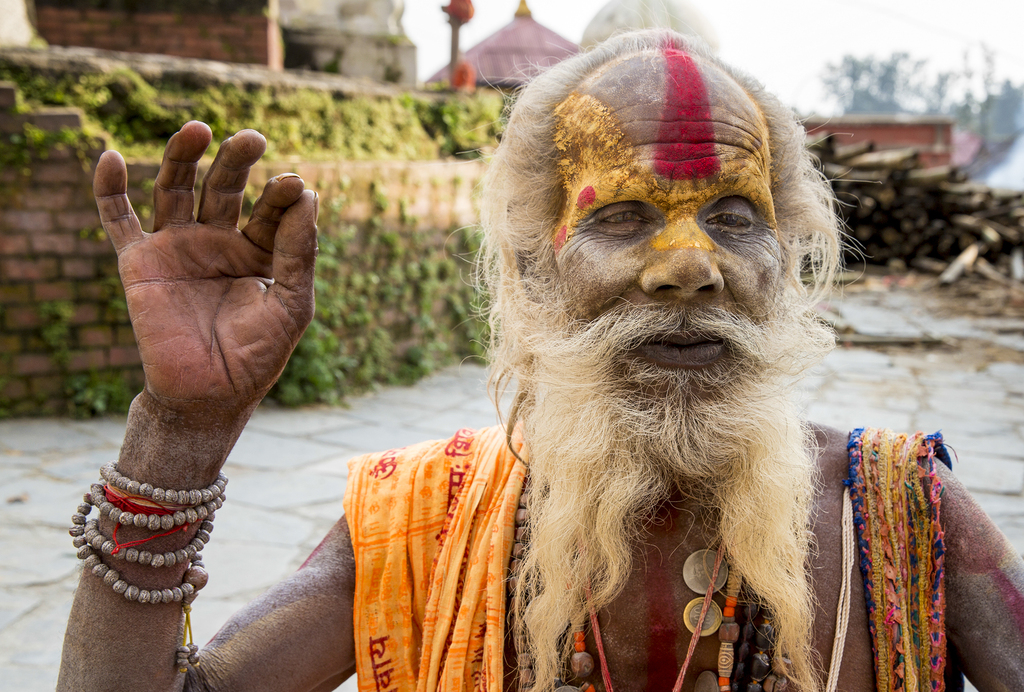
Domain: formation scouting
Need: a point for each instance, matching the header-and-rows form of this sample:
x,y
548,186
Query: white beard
x,y
610,439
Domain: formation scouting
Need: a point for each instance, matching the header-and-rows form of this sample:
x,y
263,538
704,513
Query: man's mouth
x,y
681,351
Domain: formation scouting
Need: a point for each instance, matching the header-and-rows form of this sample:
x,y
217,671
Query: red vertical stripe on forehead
x,y
686,137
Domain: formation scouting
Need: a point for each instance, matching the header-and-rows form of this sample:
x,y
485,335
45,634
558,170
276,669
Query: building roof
x,y
512,55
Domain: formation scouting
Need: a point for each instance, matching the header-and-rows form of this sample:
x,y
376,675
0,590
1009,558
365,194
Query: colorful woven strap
x,y
896,497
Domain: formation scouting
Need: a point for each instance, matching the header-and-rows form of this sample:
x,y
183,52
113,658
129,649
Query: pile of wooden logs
x,y
933,219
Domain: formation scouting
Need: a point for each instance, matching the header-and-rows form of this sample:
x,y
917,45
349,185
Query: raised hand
x,y
216,310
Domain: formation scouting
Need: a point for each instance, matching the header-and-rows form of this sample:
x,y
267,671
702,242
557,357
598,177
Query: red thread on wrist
x,y
139,505
132,544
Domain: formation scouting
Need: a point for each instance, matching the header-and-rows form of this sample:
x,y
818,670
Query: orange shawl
x,y
432,529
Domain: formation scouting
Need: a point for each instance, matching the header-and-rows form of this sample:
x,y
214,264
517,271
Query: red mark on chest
x,y
686,137
661,615
586,198
560,238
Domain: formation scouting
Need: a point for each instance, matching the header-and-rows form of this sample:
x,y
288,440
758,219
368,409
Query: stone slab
x,y
13,607
445,424
991,474
276,490
377,438
260,450
37,641
35,436
299,422
240,522
239,569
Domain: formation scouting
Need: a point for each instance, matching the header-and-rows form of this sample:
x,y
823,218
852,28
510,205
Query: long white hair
x,y
599,472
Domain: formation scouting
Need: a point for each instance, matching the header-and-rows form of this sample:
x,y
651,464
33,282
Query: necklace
x,y
745,652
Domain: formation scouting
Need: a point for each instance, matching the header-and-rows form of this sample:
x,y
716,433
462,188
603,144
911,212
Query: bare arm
x,y
295,637
984,593
216,312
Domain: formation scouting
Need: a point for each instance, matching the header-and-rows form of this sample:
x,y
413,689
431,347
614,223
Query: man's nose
x,y
682,264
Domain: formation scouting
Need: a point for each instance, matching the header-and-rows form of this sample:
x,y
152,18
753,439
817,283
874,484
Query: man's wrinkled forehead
x,y
686,116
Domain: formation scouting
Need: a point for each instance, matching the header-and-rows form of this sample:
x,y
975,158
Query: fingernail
x,y
316,204
282,176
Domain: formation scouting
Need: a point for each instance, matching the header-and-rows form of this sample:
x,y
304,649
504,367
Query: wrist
x,y
180,444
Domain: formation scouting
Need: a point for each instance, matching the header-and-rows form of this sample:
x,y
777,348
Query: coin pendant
x,y
699,567
706,682
712,621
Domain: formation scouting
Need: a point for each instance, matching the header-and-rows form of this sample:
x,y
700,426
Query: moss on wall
x,y
138,117
392,304
395,297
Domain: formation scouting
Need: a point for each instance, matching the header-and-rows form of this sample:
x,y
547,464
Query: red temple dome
x,y
508,58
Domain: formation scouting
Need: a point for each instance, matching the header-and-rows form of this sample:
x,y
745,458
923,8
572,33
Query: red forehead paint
x,y
686,136
586,198
560,238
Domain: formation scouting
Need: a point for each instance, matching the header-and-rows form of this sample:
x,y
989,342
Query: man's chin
x,y
674,378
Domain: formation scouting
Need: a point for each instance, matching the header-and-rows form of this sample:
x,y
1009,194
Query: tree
x,y
1007,112
900,84
892,85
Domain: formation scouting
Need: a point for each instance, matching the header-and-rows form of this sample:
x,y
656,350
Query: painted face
x,y
666,169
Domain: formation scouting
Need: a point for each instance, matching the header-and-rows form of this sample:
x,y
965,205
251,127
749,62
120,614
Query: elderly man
x,y
654,515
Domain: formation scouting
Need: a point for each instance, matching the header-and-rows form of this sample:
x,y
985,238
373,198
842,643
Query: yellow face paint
x,y
590,142
684,234
604,161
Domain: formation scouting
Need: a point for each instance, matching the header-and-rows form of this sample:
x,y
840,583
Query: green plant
x,y
391,306
139,116
19,149
56,327
96,393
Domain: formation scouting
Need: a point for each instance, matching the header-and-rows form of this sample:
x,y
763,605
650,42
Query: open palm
x,y
216,310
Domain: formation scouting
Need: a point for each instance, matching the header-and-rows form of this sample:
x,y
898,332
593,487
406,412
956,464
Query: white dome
x,y
679,15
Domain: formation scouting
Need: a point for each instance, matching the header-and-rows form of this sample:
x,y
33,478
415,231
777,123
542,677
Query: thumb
x,y
294,257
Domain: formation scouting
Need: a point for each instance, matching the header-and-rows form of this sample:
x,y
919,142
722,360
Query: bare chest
x,y
646,637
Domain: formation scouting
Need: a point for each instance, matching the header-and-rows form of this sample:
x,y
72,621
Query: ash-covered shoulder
x,y
829,449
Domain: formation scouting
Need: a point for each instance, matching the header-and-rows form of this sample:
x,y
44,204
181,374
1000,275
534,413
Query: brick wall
x,y
225,36
52,256
932,136
51,260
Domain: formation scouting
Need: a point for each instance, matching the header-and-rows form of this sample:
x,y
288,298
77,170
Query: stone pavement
x,y
288,469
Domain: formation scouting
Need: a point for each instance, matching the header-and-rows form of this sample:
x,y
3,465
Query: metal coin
x,y
706,682
698,568
712,621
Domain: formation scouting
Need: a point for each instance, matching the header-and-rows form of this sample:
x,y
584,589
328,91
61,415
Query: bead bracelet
x,y
112,578
89,534
193,498
195,576
155,520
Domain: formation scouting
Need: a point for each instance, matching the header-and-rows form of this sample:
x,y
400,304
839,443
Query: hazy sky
x,y
785,43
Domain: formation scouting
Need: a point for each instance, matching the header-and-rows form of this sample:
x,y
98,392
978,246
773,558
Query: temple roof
x,y
512,55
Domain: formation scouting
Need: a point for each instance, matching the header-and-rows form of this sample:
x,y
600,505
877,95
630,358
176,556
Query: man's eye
x,y
622,217
730,220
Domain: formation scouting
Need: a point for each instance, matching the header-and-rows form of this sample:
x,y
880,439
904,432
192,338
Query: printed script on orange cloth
x,y
432,529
